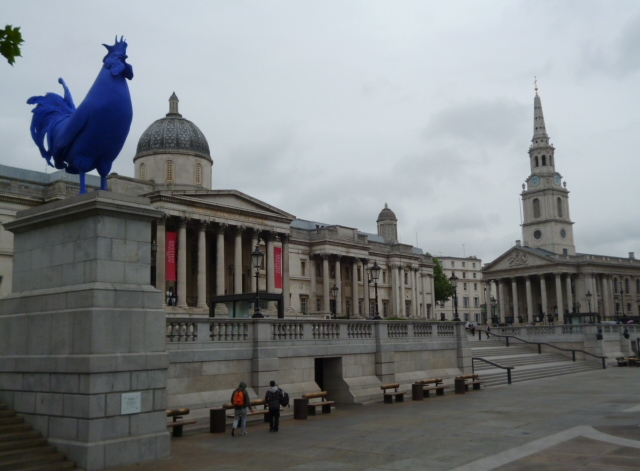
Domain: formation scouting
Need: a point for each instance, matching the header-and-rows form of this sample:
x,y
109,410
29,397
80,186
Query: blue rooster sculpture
x,y
91,136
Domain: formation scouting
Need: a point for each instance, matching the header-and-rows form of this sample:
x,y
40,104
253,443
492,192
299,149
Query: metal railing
x,y
540,344
508,368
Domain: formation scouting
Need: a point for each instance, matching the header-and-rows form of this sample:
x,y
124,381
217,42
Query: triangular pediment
x,y
228,201
517,258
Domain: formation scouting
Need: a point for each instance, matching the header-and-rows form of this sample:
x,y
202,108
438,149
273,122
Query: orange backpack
x,y
238,399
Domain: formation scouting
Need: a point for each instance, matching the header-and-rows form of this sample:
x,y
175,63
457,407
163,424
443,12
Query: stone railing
x,y
180,330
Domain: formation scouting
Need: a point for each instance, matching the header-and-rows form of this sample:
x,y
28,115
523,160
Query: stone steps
x,y
24,449
528,364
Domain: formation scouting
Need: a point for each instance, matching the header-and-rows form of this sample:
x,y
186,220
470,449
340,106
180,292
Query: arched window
x,y
198,174
536,208
535,161
544,160
551,160
143,172
615,285
169,171
559,206
626,285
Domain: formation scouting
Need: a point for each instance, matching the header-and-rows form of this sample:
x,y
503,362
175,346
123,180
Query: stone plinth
x,y
82,337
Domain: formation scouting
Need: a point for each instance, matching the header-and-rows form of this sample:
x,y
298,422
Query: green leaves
x,y
442,285
10,40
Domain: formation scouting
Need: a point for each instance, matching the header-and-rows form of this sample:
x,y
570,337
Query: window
x,y
372,307
332,271
318,304
474,264
536,208
407,308
303,304
559,207
476,302
465,301
169,171
385,308
303,268
464,274
453,264
464,286
463,264
544,160
143,172
406,278
384,277
615,285
359,274
474,275
360,303
626,286
347,305
198,174
347,273
318,270
466,317
475,286
535,161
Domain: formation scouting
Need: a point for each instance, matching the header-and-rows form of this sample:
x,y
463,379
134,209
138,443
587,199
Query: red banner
x,y
277,252
172,239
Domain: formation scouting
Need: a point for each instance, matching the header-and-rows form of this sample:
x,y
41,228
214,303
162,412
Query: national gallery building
x,y
543,279
202,246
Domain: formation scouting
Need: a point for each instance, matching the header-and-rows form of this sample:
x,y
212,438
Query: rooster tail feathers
x,y
51,109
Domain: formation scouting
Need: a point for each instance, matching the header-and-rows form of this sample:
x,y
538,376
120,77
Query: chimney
x,y
518,243
632,255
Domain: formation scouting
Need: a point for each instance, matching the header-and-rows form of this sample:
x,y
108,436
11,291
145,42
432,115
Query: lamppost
x,y
638,303
154,254
375,274
454,283
334,294
256,261
494,305
589,296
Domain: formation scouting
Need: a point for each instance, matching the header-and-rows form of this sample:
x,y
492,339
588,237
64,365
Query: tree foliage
x,y
10,40
442,285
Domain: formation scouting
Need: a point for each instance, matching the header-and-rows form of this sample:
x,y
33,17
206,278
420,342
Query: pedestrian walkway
x,y
587,421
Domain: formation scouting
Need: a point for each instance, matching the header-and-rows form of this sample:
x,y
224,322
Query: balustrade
x,y
397,329
446,330
359,330
287,331
422,329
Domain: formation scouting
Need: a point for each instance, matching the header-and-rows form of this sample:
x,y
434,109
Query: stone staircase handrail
x,y
539,344
508,368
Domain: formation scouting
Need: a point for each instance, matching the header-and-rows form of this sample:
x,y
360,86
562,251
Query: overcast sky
x,y
330,109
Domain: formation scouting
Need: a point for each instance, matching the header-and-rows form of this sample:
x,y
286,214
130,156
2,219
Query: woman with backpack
x,y
240,401
273,399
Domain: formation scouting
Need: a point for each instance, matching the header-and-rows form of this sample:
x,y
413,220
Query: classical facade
x,y
470,289
542,279
201,247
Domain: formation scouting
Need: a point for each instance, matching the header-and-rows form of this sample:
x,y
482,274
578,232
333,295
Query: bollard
x,y
417,392
460,386
217,420
300,408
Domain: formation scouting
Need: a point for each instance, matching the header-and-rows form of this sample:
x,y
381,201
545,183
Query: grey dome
x,y
173,134
386,215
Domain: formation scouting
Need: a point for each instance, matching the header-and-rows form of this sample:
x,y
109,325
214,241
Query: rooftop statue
x,y
91,136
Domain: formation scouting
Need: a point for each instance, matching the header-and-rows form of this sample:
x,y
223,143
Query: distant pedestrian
x,y
272,399
472,329
488,330
240,401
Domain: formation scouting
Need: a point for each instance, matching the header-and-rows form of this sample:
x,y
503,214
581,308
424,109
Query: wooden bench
x,y
471,380
433,384
311,406
177,424
388,396
254,402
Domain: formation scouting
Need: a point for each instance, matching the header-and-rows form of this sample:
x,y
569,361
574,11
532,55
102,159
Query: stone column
x,y
202,266
339,285
313,284
220,260
416,299
182,265
365,288
354,289
569,295
271,282
286,290
516,305
502,300
325,283
432,281
401,289
237,261
255,240
531,315
393,273
559,300
606,298
543,297
161,257
89,370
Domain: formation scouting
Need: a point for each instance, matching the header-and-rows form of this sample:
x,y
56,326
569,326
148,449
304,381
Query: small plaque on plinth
x,y
130,403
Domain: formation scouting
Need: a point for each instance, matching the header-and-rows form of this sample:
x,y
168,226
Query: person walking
x,y
240,401
272,398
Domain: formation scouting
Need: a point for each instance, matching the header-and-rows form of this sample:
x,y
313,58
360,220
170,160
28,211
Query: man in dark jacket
x,y
272,399
240,411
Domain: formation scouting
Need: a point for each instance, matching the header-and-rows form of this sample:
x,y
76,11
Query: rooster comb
x,y
120,47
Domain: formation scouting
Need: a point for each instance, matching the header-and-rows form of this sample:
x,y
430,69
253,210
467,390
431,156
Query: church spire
x,y
540,136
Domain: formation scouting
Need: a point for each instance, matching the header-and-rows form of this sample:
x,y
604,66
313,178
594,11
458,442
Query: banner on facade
x,y
172,239
277,252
